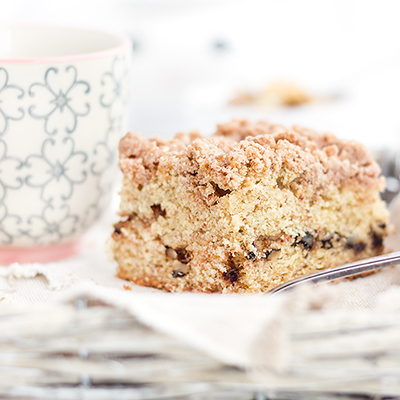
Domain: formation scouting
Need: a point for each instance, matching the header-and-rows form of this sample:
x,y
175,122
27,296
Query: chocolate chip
x,y
158,211
183,255
327,243
131,216
118,226
270,254
357,247
250,255
377,240
219,191
232,274
177,273
306,241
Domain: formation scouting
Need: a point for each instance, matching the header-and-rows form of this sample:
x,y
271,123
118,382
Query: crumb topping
x,y
240,150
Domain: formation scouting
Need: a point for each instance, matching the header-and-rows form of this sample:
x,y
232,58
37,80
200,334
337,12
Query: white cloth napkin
x,y
257,332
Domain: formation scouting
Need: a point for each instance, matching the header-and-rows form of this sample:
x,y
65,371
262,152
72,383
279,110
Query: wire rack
x,y
92,351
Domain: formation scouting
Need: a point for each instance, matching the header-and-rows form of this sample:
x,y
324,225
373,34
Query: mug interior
x,y
36,43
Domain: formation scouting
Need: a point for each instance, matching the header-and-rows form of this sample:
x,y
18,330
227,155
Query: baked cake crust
x,y
246,209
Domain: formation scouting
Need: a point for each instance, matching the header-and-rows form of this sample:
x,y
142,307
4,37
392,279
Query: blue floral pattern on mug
x,y
10,171
9,226
57,169
116,91
114,97
54,224
9,97
104,158
60,100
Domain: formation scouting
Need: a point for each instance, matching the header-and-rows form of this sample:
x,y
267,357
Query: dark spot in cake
x,y
269,254
327,243
280,183
183,255
219,191
306,241
118,226
177,273
131,216
251,255
140,186
158,211
377,240
357,247
381,225
232,273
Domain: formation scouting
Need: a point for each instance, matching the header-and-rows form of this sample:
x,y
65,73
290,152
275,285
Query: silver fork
x,y
343,271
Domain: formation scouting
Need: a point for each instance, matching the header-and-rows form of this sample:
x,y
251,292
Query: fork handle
x,y
342,271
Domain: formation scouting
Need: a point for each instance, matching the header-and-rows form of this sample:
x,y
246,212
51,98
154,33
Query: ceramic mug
x,y
63,109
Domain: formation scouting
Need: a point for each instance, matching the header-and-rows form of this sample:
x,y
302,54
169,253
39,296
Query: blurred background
x,y
332,65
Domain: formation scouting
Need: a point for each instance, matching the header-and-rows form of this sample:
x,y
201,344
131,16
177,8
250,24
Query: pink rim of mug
x,y
39,254
125,45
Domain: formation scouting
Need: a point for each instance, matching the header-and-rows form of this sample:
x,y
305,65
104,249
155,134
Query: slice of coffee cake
x,y
245,210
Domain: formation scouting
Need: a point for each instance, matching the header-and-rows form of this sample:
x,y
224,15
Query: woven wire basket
x,y
92,351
